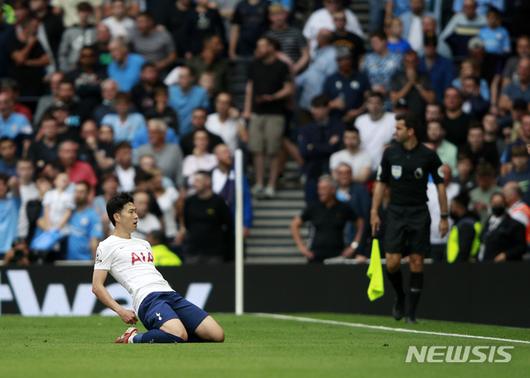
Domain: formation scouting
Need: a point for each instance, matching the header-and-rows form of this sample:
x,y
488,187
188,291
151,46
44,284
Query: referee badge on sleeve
x,y
396,171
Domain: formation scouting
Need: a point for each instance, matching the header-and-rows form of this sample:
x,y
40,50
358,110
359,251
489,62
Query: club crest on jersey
x,y
396,171
418,173
141,257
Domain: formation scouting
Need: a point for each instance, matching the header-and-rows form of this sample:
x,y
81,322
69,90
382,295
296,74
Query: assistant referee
x,y
405,169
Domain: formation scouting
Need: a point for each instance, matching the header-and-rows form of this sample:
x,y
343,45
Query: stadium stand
x,y
79,88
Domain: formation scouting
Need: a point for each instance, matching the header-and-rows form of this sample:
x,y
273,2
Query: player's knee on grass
x,y
393,262
176,328
210,330
416,263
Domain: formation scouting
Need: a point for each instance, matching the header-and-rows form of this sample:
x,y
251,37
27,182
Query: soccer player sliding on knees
x,y
167,316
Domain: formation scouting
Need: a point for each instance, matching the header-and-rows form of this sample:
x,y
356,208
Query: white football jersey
x,y
130,262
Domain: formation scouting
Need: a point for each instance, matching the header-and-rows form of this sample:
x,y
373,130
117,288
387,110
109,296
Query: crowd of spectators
x,y
102,96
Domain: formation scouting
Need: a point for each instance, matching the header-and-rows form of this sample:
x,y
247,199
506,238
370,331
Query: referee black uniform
x,y
406,173
405,169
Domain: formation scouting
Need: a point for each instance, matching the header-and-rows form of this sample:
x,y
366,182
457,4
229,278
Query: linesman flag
x,y
376,288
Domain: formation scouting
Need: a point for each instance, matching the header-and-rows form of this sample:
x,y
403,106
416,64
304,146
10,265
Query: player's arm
x,y
383,177
101,292
444,210
379,191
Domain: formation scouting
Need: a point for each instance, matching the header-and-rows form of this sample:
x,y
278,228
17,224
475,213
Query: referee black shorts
x,y
407,229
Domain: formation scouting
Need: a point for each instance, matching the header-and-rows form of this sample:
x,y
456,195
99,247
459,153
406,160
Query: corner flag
x,y
376,288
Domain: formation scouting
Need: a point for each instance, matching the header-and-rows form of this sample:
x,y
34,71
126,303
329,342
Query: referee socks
x,y
396,279
416,285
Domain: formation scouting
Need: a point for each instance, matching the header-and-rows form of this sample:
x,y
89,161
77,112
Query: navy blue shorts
x,y
159,307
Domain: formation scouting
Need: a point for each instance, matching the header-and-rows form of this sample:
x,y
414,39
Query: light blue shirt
x,y
496,41
311,81
184,103
482,5
127,74
127,130
380,69
84,226
14,125
9,207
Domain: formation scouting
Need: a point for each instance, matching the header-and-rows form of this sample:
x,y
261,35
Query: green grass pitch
x,y
254,347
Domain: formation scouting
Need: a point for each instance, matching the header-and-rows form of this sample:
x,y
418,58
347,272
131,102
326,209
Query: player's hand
x,y
128,316
443,227
375,222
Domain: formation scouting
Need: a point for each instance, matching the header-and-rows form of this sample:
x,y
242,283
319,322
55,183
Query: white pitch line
x,y
384,328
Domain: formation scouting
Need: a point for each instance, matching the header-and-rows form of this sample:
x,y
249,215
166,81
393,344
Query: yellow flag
x,y
376,288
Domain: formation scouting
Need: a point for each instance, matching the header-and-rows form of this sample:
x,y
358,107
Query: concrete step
x,y
286,194
276,213
283,203
271,223
276,251
269,232
275,260
276,241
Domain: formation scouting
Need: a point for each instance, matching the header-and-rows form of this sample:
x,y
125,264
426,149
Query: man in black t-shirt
x,y
328,217
405,169
207,228
268,89
455,121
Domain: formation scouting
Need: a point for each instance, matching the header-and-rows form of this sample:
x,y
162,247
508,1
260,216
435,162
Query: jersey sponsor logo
x,y
418,173
396,171
141,257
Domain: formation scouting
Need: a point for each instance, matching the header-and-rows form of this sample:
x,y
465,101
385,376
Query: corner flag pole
x,y
239,263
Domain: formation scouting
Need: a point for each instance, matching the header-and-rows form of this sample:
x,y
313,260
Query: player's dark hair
x,y
411,121
116,204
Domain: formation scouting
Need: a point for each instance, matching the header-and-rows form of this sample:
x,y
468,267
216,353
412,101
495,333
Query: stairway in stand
x,y
270,239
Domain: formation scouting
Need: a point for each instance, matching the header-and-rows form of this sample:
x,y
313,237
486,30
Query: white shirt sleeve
x,y
104,257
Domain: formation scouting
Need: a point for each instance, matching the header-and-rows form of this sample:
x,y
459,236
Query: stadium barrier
x,y
479,293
